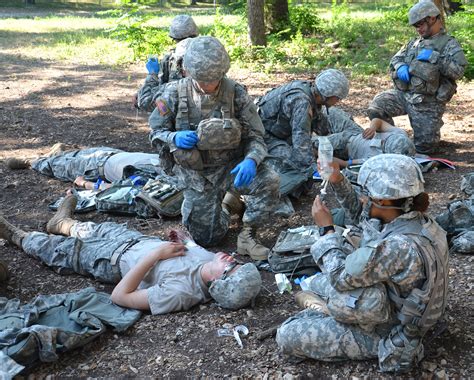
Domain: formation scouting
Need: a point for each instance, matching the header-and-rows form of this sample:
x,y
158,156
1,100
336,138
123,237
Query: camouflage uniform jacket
x,y
164,126
290,113
435,79
390,253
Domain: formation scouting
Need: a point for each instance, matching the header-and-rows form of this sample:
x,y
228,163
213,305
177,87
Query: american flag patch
x,y
162,107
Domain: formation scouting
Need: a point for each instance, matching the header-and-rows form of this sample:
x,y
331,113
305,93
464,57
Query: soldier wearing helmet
x,y
424,73
182,30
377,297
290,113
149,273
209,128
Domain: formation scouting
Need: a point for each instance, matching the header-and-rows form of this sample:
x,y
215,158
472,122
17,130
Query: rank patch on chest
x,y
162,107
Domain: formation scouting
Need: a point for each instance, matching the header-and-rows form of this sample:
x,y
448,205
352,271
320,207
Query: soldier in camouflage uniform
x,y
424,73
182,30
150,274
290,113
209,126
85,167
384,292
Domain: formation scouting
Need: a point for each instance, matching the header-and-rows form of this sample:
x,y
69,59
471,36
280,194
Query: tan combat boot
x,y
11,233
310,300
4,273
233,203
56,149
16,163
247,245
62,221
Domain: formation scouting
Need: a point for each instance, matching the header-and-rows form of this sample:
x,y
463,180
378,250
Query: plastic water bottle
x,y
325,155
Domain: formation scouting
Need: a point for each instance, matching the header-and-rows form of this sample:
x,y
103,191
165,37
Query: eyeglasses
x,y
421,22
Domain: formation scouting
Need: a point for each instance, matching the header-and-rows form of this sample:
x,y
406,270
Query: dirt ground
x,y
42,103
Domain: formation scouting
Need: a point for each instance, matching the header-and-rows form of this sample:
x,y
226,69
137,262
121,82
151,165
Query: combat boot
x,y
310,300
56,149
233,203
4,274
62,221
16,163
248,245
11,233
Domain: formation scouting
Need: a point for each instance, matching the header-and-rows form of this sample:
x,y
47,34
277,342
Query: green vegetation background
x,y
359,38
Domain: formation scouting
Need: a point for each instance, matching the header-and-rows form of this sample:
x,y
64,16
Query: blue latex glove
x,y
403,74
424,55
186,139
153,66
245,172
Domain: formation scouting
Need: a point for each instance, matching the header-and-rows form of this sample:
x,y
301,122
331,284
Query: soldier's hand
x,y
403,74
336,175
424,55
169,250
245,172
186,139
368,133
153,66
321,214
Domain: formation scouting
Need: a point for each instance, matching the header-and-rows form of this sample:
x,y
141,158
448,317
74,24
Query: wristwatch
x,y
324,230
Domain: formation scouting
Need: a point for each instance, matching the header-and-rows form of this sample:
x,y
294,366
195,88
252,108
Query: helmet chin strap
x,y
406,207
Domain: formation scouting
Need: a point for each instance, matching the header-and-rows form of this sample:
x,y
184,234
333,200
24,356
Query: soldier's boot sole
x,y
11,233
310,300
56,149
247,245
16,163
62,221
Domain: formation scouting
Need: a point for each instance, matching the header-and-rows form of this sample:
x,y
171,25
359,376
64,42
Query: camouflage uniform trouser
x,y
69,165
88,251
426,118
202,211
312,334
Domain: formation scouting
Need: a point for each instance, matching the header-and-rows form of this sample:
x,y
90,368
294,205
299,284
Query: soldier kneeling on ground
x,y
151,274
379,297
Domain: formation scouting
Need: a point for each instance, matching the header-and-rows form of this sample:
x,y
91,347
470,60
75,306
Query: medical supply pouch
x,y
120,199
424,77
164,195
291,253
188,158
219,134
85,201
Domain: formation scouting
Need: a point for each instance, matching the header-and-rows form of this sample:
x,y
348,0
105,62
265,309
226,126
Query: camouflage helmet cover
x,y
391,176
181,47
206,59
239,289
399,143
332,82
183,26
422,9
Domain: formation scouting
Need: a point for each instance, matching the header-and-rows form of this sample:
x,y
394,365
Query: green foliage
x,y
304,19
465,35
132,28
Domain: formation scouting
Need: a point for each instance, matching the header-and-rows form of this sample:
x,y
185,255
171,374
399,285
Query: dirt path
x,y
42,103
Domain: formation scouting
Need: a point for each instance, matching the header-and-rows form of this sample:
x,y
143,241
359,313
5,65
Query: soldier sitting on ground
x,y
182,30
208,125
376,298
424,73
89,167
151,274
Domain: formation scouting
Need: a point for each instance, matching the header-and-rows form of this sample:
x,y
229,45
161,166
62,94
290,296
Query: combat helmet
x,y
391,176
399,143
181,47
183,26
422,9
206,59
332,82
239,289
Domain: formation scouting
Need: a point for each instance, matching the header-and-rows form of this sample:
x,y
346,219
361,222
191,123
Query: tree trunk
x,y
256,20
278,16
